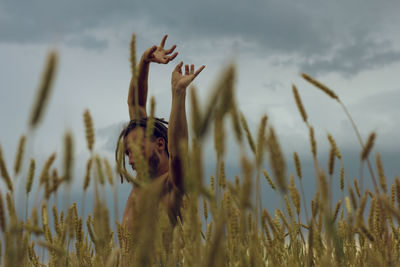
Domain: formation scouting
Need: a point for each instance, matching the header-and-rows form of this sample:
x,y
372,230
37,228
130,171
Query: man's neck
x,y
162,170
160,173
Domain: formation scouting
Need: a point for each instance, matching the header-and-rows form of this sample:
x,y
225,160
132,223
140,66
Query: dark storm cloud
x,y
339,36
49,21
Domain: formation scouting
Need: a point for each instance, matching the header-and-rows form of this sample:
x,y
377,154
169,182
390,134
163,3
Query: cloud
x,y
272,85
352,58
87,41
382,118
384,103
109,136
321,37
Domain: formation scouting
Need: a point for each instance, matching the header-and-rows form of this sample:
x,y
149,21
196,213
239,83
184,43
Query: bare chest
x,y
168,198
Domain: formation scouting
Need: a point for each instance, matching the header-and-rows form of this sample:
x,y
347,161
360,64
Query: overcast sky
x,y
352,46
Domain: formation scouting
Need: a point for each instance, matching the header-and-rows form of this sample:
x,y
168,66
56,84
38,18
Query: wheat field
x,y
223,222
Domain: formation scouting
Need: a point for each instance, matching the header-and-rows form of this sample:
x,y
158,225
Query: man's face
x,y
148,148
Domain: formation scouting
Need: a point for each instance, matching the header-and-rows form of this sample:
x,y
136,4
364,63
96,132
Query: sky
x,y
351,46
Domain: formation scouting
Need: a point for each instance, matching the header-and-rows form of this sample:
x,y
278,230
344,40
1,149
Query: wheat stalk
x,y
381,173
248,134
312,141
269,180
89,129
320,86
4,172
367,148
44,89
277,161
68,157
299,103
20,154
86,181
2,215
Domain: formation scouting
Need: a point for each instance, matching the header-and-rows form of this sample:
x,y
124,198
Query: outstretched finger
x,y
169,51
186,69
151,50
178,67
199,70
163,40
173,56
192,69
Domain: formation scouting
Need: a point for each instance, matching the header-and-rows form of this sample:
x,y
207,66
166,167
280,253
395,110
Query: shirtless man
x,y
162,150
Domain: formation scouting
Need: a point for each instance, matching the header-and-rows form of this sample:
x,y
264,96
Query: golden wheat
x,y
44,89
86,181
68,157
368,146
299,103
20,154
31,173
319,85
277,161
89,129
2,215
269,180
381,173
4,171
248,134
231,230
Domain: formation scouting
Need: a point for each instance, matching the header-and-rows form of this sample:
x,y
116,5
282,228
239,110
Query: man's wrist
x,y
145,59
179,90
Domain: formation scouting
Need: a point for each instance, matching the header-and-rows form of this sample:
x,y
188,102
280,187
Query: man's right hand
x,y
158,54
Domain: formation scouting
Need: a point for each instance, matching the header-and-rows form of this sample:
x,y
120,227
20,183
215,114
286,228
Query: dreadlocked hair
x,y
159,130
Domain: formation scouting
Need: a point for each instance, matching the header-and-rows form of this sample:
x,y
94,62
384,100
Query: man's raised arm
x,y
153,54
177,130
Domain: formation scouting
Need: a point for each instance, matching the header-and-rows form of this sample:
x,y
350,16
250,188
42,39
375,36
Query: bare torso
x,y
170,197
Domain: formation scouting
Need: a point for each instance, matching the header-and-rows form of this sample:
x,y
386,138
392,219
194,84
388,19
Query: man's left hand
x,y
180,81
